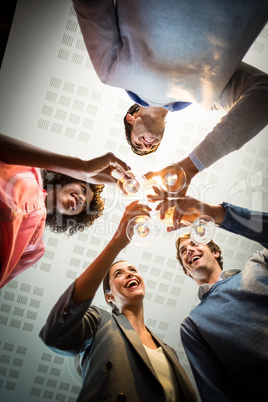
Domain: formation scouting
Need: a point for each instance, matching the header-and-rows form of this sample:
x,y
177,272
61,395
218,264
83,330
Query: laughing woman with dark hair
x,y
67,199
60,222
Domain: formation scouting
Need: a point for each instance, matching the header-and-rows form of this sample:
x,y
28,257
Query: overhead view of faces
x,y
133,201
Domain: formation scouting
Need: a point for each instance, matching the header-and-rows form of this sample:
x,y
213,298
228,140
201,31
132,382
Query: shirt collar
x,y
171,107
205,287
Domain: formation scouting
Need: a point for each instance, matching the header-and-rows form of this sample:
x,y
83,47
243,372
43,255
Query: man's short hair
x,y
128,129
211,245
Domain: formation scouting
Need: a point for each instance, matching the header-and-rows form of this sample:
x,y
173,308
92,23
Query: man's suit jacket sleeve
x,y
245,99
98,24
210,375
251,224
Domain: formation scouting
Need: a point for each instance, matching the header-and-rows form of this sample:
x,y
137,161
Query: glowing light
x,y
131,185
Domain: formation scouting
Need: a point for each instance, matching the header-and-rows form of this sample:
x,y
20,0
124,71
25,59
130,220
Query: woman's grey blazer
x,y
115,365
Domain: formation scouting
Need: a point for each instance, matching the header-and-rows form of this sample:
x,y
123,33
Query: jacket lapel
x,y
184,382
188,393
134,339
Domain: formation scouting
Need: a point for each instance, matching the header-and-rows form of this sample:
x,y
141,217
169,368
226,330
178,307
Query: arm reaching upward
x,y
242,221
88,282
245,99
97,171
98,24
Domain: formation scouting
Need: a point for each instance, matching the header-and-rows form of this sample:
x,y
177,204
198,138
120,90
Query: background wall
x,y
51,97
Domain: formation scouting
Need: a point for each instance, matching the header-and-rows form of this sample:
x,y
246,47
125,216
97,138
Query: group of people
x,y
166,57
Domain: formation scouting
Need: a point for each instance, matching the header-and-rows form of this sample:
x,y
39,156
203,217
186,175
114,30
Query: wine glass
x,y
132,185
202,229
142,230
173,178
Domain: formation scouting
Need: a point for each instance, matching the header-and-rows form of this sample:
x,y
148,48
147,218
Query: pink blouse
x,y
22,219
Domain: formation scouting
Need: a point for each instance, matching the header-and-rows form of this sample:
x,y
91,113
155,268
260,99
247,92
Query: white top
x,y
164,372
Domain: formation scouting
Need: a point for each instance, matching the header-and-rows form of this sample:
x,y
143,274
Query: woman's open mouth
x,y
132,283
74,201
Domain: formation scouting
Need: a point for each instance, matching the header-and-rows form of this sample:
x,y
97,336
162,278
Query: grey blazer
x,y
188,51
115,365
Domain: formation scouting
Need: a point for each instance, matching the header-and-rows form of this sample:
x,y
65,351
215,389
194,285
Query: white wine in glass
x,y
202,229
173,179
133,184
142,230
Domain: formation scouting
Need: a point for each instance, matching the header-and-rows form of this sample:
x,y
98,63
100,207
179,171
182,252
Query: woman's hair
x,y
60,223
128,129
107,288
211,245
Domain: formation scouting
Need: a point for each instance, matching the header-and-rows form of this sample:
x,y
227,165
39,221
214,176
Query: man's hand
x,y
159,195
189,169
188,209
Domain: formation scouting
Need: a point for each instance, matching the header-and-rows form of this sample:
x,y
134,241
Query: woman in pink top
x,y
63,199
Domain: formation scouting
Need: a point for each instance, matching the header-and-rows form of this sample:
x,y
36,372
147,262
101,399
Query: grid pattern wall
x,y
63,106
